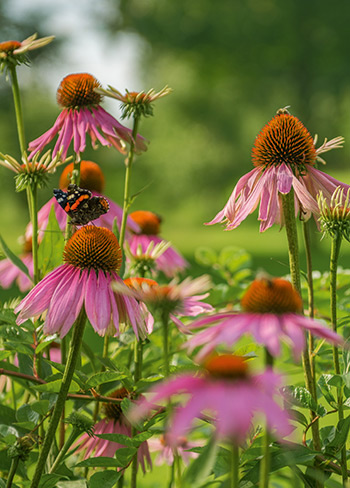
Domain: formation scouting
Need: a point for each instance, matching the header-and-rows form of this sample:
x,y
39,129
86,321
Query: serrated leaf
x,y
326,390
205,256
340,437
14,259
55,386
202,466
49,480
125,454
26,414
106,478
100,462
105,377
41,406
72,484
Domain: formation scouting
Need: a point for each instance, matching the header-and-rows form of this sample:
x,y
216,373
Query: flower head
x,y
114,422
271,315
92,260
172,297
32,172
335,214
226,389
82,114
13,53
167,452
136,103
284,156
91,176
170,262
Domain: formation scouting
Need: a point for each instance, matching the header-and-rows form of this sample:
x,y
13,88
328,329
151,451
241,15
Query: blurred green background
x,y
231,65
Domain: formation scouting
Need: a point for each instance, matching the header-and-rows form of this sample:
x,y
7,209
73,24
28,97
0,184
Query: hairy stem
x,y
66,381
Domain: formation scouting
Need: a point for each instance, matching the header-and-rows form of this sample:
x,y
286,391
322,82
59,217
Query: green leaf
x,y
300,396
298,417
41,407
340,436
72,484
51,247
26,414
205,256
336,380
7,415
125,440
14,259
326,390
105,377
49,481
202,466
55,386
100,462
107,479
125,455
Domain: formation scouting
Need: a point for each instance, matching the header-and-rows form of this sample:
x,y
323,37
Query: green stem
x,y
234,474
18,109
293,251
165,329
62,395
128,163
266,458
120,482
335,250
73,435
12,472
32,196
310,288
138,353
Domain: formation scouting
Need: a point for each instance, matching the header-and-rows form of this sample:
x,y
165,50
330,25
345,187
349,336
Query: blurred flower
x,y
114,423
92,179
228,390
167,453
272,315
170,261
284,156
13,53
92,260
82,114
135,103
10,273
335,214
134,284
32,172
176,299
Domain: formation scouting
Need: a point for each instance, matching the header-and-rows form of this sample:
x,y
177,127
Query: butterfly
x,y
80,205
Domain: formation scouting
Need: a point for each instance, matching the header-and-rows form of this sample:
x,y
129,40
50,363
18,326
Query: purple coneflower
x,y
170,262
92,259
284,156
226,389
178,299
166,452
271,315
82,114
115,422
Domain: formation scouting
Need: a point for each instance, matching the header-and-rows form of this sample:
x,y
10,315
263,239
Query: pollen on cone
x,y
227,366
113,410
284,140
93,247
275,296
78,90
91,176
149,222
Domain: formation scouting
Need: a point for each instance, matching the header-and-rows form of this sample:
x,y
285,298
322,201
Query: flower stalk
x,y
335,250
18,108
128,164
234,474
293,251
66,381
12,472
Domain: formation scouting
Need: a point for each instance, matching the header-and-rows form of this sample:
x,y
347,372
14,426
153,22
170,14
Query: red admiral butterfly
x,y
80,205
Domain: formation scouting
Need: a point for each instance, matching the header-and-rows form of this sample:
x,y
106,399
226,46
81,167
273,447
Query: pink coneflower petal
x,y
65,304
38,298
97,300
